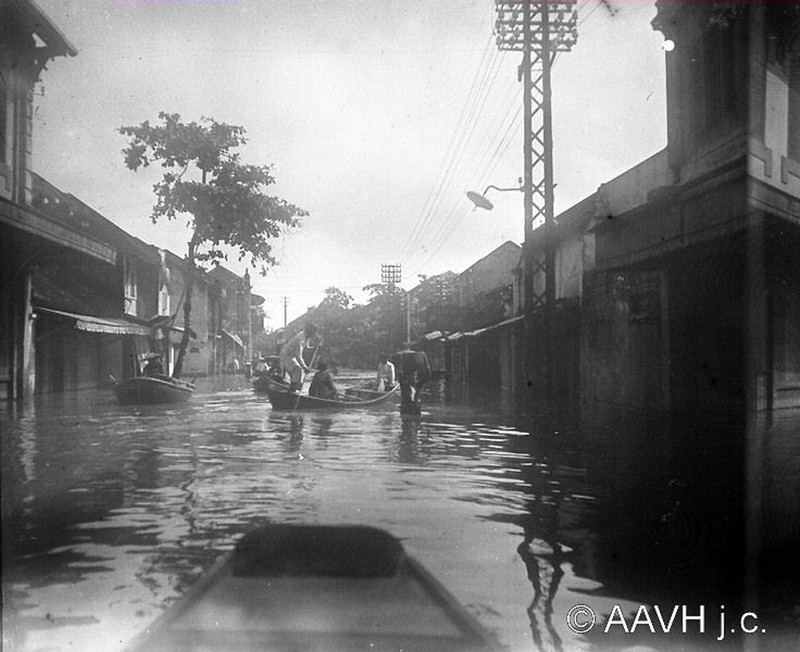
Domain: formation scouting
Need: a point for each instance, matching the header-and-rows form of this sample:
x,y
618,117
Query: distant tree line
x,y
354,335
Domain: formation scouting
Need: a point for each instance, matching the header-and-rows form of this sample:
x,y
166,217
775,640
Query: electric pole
x,y
540,29
285,304
391,275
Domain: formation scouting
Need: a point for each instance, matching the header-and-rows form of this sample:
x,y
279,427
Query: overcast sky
x,y
377,116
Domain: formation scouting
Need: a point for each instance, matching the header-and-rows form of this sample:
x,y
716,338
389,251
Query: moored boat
x,y
302,587
282,398
151,390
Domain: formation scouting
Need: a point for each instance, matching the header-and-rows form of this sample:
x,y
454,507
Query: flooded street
x,y
110,513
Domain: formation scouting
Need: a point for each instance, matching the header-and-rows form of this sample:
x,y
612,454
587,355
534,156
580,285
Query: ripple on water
x,y
116,511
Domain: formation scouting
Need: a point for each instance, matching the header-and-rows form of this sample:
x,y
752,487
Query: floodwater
x,y
110,513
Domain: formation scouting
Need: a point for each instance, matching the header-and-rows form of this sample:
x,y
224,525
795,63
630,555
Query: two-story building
x,y
27,236
91,319
80,298
685,275
677,281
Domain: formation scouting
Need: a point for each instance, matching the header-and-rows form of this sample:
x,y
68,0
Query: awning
x,y
507,322
457,336
108,325
235,338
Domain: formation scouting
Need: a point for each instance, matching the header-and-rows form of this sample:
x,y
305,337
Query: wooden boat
x,y
262,382
150,390
354,397
262,377
335,588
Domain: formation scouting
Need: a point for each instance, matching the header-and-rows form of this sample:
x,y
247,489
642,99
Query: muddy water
x,y
110,513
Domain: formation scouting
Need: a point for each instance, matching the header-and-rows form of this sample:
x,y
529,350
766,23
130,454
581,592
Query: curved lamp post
x,y
480,200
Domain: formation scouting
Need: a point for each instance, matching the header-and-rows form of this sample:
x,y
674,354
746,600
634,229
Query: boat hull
x,y
149,390
296,587
282,399
262,383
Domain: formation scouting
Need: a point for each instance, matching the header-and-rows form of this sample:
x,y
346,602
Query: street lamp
x,y
480,200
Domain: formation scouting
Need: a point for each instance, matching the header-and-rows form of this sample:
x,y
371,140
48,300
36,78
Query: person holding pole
x,y
292,356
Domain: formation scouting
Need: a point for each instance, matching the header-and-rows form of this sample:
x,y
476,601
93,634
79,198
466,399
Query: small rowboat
x,y
150,390
331,588
355,397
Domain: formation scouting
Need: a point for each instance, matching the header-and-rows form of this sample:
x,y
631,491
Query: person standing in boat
x,y
386,376
413,371
292,356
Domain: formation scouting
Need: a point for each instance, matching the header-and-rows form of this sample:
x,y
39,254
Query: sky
x,y
375,115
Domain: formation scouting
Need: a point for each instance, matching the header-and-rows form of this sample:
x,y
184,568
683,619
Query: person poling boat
x,y
317,587
291,355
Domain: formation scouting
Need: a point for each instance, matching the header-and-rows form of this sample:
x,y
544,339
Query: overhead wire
x,y
511,133
477,90
497,139
440,236
442,209
455,168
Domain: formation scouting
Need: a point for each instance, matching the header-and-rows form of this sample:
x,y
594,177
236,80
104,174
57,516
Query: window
x,y
163,300
6,132
793,128
5,144
130,290
163,284
718,77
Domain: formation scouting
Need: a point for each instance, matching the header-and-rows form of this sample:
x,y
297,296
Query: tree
x,y
380,291
336,298
387,313
224,199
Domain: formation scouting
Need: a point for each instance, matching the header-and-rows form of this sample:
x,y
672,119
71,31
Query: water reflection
x,y
110,513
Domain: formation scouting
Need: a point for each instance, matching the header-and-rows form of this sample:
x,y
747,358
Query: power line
x,y
508,125
472,120
455,171
455,141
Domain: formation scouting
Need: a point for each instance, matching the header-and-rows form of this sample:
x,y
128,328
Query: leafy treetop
x,y
227,204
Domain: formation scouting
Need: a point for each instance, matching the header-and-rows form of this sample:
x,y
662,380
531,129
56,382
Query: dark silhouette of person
x,y
153,366
322,384
413,370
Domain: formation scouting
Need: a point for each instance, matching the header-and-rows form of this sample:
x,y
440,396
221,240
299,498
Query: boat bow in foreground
x,y
332,588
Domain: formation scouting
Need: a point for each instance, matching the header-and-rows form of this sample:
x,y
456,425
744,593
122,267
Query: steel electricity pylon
x,y
391,274
540,30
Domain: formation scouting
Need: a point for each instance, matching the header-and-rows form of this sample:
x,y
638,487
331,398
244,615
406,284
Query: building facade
x,y
677,282
81,300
